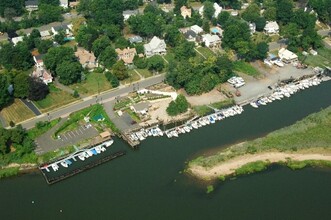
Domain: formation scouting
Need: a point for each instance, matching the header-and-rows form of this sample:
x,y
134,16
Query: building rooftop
x,y
127,54
141,106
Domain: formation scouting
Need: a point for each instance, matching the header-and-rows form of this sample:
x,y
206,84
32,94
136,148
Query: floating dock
x,y
88,166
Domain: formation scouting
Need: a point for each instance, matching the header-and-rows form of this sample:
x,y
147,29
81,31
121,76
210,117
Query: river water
x,y
149,183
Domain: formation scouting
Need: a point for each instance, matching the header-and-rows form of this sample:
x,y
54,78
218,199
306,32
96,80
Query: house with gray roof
x,y
155,47
135,39
128,13
140,108
31,5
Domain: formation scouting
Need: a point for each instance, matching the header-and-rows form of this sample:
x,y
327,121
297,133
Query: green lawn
x,y
42,128
205,51
133,77
260,37
323,58
145,72
245,68
204,109
56,98
94,84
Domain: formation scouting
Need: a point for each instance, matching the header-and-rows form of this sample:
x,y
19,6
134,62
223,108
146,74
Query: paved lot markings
x,y
68,134
73,133
81,131
77,132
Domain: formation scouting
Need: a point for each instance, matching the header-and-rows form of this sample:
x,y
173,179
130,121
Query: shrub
x,y
210,188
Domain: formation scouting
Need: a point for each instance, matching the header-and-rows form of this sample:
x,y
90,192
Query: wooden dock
x,y
133,143
81,169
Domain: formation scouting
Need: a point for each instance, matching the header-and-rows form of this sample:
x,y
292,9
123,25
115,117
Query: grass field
x,y
205,51
323,58
145,72
205,110
56,98
94,84
16,112
245,68
133,77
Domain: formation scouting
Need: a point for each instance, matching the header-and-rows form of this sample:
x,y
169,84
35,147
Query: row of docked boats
x,y
144,133
81,154
187,127
286,91
203,121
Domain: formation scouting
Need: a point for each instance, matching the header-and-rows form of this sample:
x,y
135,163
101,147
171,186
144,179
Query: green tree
x,y
262,49
155,63
252,13
112,79
50,2
38,90
57,55
21,87
235,32
119,70
180,105
86,35
185,50
49,13
270,13
284,10
122,43
172,36
260,23
69,72
208,10
59,38
100,45
205,26
108,57
223,17
5,97
139,62
44,45
17,6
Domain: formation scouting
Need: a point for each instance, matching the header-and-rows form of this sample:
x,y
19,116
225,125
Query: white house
x,y
287,56
41,73
211,40
66,28
45,35
217,8
155,47
15,40
140,108
64,3
196,29
271,27
128,13
252,28
38,60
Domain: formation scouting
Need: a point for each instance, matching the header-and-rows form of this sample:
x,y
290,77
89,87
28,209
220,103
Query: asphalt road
x,y
86,102
31,106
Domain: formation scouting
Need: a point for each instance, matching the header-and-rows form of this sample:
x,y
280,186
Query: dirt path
x,y
229,167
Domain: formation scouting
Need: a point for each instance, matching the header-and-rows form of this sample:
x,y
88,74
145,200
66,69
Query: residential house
x,y
217,30
217,8
155,47
196,29
271,27
190,35
43,74
64,27
85,58
211,41
140,108
135,39
127,54
185,12
15,40
38,60
31,5
45,35
64,3
128,13
252,27
287,56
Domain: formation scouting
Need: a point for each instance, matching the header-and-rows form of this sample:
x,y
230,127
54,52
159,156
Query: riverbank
x,y
306,140
256,162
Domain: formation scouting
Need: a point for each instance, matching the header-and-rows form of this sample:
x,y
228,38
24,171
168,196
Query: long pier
x,y
53,180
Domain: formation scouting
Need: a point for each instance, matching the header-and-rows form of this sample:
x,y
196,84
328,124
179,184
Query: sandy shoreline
x,y
229,167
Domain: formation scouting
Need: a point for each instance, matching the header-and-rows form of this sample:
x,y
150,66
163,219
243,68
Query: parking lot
x,y
46,142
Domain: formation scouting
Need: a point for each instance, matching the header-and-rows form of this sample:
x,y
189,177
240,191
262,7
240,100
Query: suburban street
x,y
86,102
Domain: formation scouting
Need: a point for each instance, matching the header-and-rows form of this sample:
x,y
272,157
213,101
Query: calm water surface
x,y
148,184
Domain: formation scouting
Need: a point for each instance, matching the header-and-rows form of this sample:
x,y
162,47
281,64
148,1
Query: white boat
x,y
108,143
206,120
202,122
160,132
97,149
174,133
195,125
261,102
89,153
55,167
86,155
186,129
254,105
102,148
81,156
168,134
64,164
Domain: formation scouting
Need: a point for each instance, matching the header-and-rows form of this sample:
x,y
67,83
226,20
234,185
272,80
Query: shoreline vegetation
x,y
305,143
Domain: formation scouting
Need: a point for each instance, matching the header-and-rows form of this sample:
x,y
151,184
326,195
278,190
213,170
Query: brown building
x,y
126,54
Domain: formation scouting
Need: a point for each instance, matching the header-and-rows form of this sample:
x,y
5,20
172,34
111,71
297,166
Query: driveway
x,y
31,106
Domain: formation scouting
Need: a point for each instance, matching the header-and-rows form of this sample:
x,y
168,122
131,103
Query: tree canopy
x,y
69,72
57,55
180,105
38,90
119,70
5,97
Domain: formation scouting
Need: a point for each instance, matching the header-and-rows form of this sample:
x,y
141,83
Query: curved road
x,y
101,98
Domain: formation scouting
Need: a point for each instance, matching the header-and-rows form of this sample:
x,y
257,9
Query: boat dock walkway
x,y
53,180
